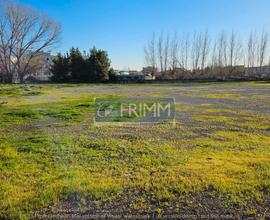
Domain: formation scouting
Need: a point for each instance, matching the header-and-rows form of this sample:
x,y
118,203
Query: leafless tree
x,y
150,53
262,48
232,47
222,49
174,49
181,61
251,50
223,55
238,53
160,52
196,50
184,51
24,33
234,51
205,49
214,55
166,53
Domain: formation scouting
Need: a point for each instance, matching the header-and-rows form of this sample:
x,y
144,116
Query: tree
x,y
196,50
194,53
77,66
263,46
60,69
232,47
214,58
251,53
174,53
99,64
82,67
185,47
160,52
205,49
222,49
112,75
24,33
234,51
166,53
238,54
150,53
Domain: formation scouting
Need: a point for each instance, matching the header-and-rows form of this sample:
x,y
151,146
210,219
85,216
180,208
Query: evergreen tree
x,y
60,69
77,65
112,75
99,65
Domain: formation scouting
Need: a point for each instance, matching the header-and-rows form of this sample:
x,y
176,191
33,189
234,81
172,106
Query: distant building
x,y
122,73
149,77
133,76
149,70
40,67
133,72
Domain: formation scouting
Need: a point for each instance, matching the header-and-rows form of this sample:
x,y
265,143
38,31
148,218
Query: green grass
x,y
49,149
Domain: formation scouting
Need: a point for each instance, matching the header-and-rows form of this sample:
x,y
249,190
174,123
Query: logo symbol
x,y
104,111
134,110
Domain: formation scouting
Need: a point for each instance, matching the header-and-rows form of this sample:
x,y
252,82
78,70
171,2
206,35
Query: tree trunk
x,y
21,78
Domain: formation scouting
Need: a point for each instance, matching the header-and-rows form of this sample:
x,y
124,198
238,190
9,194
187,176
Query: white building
x,y
40,67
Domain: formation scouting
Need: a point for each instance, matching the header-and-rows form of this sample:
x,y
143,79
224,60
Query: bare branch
x,y
24,33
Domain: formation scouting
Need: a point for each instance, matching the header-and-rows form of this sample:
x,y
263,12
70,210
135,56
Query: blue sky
x,y
122,27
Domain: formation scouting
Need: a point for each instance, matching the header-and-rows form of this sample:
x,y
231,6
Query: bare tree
x,y
160,52
234,51
251,50
150,53
262,48
184,51
226,52
222,50
174,48
166,53
181,60
24,33
196,50
238,53
205,49
232,47
214,55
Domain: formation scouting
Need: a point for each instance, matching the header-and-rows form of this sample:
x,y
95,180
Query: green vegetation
x,y
82,67
50,149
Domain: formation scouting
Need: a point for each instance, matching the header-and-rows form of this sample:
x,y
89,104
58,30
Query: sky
x,y
122,27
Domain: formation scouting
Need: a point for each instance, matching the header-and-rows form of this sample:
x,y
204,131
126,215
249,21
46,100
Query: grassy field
x,y
215,160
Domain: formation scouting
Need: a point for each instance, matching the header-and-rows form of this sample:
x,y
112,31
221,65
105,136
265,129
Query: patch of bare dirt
x,y
195,206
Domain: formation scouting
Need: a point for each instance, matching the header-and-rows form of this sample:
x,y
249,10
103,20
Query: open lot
x,y
215,160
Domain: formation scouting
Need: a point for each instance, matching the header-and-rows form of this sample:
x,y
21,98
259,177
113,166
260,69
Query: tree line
x,y
75,66
197,52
